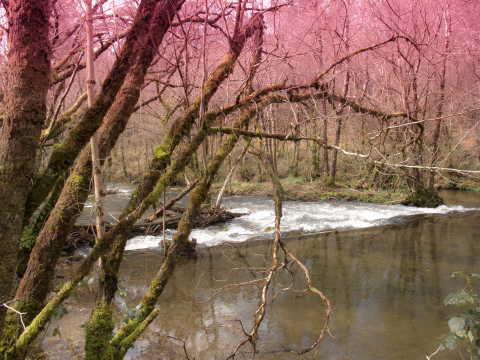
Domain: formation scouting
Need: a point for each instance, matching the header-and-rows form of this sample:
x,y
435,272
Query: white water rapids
x,y
308,217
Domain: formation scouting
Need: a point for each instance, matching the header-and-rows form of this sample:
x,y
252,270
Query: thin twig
x,y
19,313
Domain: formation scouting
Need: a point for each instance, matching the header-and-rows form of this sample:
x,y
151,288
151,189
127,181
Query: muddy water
x,y
386,285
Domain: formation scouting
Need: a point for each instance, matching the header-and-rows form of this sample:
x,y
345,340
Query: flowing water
x,y
385,269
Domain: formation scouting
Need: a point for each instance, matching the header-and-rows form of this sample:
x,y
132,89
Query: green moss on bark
x,y
330,182
12,329
161,153
100,326
424,198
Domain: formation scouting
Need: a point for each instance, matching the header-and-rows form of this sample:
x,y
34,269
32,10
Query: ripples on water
x,y
386,285
308,217
386,282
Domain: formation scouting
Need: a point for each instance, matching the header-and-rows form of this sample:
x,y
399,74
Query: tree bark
x,y
108,283
70,205
325,167
27,82
184,228
182,126
314,148
64,154
438,120
339,112
97,170
229,176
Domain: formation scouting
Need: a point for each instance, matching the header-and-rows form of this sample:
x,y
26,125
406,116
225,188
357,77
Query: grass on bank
x,y
299,189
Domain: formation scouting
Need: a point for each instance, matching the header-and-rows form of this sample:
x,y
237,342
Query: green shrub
x,y
463,326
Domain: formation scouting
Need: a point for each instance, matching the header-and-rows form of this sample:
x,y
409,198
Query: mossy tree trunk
x,y
198,197
124,337
100,324
185,226
51,239
27,81
64,154
183,125
37,225
120,232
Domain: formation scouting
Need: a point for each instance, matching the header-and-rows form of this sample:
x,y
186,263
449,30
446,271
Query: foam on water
x,y
297,215
120,188
148,241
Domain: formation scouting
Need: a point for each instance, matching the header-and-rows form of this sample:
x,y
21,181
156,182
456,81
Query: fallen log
x,y
83,236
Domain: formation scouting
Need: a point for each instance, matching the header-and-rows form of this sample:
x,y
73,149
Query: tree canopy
x,y
392,85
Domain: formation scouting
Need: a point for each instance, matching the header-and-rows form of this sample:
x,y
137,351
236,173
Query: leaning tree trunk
x,y
51,239
123,339
64,154
179,241
109,283
182,126
119,233
27,82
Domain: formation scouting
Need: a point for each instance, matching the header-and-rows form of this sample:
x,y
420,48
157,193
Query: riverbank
x,y
298,189
459,183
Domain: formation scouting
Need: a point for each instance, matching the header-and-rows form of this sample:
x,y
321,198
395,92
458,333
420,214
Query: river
x,y
385,269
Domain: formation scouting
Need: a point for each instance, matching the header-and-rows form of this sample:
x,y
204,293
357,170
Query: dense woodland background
x,y
366,94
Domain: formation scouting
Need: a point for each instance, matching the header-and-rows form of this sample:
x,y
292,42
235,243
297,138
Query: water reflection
x,y
386,285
